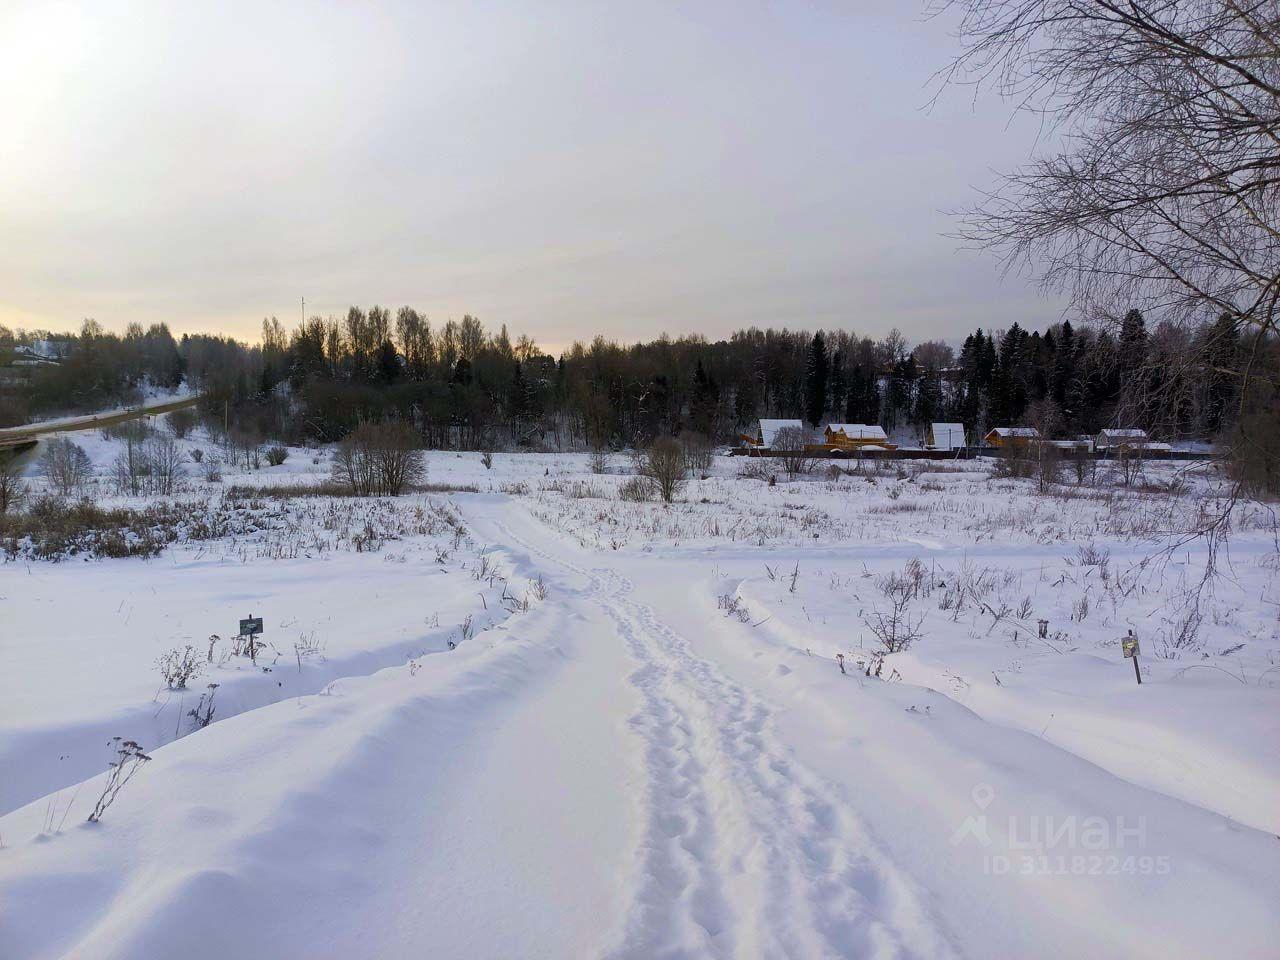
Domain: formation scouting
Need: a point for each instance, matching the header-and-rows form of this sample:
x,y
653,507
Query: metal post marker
x,y
1129,644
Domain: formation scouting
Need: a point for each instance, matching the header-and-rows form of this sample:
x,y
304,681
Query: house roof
x,y
769,429
951,434
1015,432
859,431
1124,433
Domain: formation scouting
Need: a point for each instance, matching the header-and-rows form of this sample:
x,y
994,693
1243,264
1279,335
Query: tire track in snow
x,y
745,852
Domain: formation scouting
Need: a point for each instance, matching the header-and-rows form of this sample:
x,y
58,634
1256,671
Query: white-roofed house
x,y
946,436
767,432
1122,438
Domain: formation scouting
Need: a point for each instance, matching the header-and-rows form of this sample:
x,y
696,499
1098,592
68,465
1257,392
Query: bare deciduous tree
x,y
181,422
1166,192
698,451
663,464
792,443
65,465
1162,190
598,460
165,461
1045,416
12,490
399,458
379,458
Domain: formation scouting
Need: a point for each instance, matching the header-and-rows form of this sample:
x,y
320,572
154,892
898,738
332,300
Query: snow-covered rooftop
x,y
1015,431
769,429
859,431
1123,433
947,436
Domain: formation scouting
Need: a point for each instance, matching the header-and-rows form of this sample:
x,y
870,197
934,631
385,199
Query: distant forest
x,y
468,388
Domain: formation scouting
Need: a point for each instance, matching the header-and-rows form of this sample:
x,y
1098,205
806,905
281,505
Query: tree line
x,y
465,387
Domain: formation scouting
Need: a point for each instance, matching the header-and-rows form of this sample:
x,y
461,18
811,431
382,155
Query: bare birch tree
x,y
1161,190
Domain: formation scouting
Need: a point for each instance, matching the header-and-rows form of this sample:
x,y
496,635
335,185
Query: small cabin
x,y
945,436
767,432
1122,438
856,436
1011,437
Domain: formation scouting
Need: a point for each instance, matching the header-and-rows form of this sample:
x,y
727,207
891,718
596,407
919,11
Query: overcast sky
x,y
566,169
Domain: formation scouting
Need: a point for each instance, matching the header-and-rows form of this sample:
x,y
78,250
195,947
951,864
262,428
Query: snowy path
x,y
744,852
760,789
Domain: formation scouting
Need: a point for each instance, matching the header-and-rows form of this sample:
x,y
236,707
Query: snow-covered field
x,y
516,715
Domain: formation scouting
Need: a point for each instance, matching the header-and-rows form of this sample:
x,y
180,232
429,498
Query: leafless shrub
x,y
487,459
793,443
733,606
1083,465
129,760
308,647
698,451
181,422
128,469
1129,464
635,490
202,713
1182,634
244,445
379,458
1091,555
895,627
65,465
756,468
197,455
598,460
276,455
969,585
13,492
1014,462
663,465
136,430
538,587
178,666
164,464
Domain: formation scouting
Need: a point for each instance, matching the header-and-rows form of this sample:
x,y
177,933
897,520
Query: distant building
x,y
41,352
1122,438
1011,437
945,436
767,431
856,436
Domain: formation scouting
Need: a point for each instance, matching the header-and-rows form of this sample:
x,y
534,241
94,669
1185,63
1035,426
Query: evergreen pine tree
x,y
815,380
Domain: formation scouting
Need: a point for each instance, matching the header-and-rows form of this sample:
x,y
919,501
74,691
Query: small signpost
x,y
1129,644
251,627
